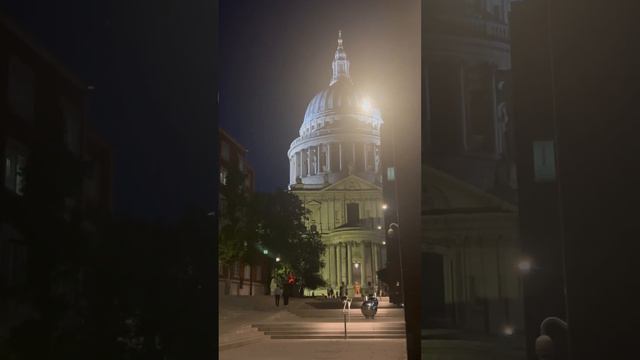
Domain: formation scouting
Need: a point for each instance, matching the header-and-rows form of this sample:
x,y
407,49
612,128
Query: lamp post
x,y
392,232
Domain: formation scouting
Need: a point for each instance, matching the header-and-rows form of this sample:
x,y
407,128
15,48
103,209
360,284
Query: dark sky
x,y
276,55
153,64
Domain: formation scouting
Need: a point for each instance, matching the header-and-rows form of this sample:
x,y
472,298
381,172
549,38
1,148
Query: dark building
x,y
240,278
469,186
575,76
53,165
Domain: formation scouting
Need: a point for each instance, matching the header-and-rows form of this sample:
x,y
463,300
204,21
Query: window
x,y
236,269
15,161
21,88
71,125
223,176
247,272
353,214
544,161
258,273
241,164
391,173
225,150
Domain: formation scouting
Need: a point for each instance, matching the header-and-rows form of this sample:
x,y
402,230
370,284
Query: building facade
x,y
53,165
240,278
335,170
469,205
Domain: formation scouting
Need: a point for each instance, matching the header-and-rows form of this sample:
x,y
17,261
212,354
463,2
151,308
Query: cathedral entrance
x,y
356,270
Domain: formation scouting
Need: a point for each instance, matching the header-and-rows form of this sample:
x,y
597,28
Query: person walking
x,y
277,293
342,291
369,291
286,293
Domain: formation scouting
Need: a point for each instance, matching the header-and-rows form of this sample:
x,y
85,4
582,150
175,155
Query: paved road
x,y
319,350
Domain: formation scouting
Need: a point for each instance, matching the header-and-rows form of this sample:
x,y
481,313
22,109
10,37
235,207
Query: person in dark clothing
x,y
277,293
286,293
342,291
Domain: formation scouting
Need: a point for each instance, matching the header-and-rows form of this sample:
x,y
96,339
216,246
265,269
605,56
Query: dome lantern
x,y
340,63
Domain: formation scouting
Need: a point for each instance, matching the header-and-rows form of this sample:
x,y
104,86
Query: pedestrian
x,y
277,292
369,291
286,293
342,291
356,288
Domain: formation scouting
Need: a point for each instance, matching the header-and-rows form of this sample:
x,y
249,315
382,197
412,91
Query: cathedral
x,y
335,170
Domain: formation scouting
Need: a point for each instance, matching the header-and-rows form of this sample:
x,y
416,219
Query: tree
x,y
234,233
283,218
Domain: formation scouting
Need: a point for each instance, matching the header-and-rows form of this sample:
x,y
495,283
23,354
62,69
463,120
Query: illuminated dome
x,y
340,133
333,103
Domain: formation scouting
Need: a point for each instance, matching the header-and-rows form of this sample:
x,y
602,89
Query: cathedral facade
x,y
335,170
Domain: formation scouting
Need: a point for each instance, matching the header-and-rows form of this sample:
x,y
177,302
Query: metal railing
x,y
346,309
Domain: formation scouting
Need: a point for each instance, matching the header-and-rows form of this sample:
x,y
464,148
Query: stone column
x,y
318,166
353,150
497,132
330,264
463,110
308,151
338,264
364,156
349,266
376,266
299,163
329,158
363,270
340,155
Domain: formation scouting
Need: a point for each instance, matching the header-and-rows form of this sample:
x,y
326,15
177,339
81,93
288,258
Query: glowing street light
x,y
508,330
384,242
379,227
277,259
384,206
524,265
357,265
265,251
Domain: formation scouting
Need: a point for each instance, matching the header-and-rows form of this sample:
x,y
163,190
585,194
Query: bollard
x,y
544,346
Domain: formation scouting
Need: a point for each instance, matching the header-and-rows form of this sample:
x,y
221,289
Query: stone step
x,y
334,337
335,332
331,326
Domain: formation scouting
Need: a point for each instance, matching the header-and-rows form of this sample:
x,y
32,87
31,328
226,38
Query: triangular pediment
x,y
352,183
443,192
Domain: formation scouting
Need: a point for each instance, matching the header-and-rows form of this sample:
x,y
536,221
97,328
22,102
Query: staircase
x,y
333,330
324,319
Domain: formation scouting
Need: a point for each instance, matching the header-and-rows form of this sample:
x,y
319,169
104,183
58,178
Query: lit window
x,y
14,168
544,161
391,173
225,151
21,88
223,176
247,272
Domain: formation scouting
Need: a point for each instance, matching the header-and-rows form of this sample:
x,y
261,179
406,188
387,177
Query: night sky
x,y
276,55
153,65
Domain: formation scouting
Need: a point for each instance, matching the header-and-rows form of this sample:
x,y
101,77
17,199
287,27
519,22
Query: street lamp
x,y
277,259
384,206
524,266
392,233
265,251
